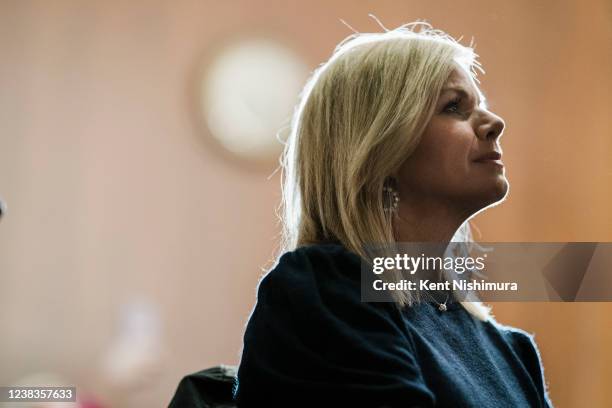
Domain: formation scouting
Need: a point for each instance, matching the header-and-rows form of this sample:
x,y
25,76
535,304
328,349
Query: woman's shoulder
x,y
314,292
319,287
328,258
314,270
310,335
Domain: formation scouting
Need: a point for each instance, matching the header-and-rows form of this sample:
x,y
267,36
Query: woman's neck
x,y
428,221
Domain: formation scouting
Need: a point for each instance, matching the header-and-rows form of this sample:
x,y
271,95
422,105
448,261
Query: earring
x,y
391,202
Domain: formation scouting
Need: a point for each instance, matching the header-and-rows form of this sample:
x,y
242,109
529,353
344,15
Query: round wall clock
x,y
247,95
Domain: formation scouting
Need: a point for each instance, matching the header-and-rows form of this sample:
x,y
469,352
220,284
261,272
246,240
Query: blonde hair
x,y
360,115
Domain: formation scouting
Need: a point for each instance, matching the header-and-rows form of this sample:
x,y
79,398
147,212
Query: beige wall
x,y
114,192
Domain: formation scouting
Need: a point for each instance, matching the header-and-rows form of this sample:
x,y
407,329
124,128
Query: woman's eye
x,y
452,106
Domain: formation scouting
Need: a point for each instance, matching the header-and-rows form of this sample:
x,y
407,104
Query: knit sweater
x,y
311,341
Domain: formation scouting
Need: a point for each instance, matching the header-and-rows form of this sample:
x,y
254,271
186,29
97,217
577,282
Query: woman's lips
x,y
492,158
491,162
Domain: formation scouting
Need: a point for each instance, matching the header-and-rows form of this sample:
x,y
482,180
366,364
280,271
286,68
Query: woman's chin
x,y
489,193
497,191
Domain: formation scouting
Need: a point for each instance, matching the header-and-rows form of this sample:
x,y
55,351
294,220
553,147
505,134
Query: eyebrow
x,y
480,95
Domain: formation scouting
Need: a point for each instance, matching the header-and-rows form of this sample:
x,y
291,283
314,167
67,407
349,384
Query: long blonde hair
x,y
360,115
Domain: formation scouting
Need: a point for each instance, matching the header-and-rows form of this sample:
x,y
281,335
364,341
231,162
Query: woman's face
x,y
458,160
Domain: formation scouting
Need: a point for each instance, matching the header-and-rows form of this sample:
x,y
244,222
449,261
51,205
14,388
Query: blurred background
x,y
137,160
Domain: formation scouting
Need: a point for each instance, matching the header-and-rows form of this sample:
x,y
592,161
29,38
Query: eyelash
x,y
453,103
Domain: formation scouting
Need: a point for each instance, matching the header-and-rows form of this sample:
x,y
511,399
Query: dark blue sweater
x,y
310,341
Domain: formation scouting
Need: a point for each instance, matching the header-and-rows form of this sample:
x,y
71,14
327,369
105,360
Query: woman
x,y
392,142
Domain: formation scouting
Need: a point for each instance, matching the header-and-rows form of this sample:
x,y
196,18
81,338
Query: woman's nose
x,y
492,126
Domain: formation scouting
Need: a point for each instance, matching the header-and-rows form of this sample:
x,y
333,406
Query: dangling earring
x,y
391,199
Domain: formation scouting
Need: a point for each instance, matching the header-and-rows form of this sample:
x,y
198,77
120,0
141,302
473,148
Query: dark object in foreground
x,y
210,388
